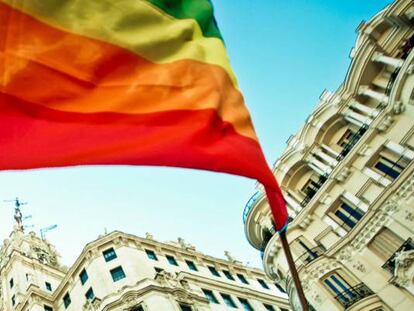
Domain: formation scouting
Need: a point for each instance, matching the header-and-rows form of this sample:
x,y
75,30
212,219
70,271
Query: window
x,y
245,304
280,288
191,265
90,294
346,138
66,300
390,165
83,276
48,286
171,260
269,307
311,187
228,301
158,270
210,296
347,215
185,307
213,271
139,308
117,274
242,278
283,309
13,299
385,243
228,275
47,308
11,282
336,284
109,254
263,283
151,255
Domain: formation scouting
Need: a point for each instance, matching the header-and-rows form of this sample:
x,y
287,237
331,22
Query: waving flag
x,y
127,82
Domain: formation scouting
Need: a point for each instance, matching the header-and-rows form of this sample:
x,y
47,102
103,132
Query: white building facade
x,y
347,177
119,271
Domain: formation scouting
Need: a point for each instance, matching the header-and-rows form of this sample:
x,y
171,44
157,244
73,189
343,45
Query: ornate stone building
x,y
347,176
119,271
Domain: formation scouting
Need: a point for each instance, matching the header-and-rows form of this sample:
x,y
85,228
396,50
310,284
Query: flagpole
x,y
293,271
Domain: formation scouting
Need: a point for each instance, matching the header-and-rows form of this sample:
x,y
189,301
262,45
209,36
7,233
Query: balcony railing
x,y
249,205
389,265
309,256
352,142
353,294
311,192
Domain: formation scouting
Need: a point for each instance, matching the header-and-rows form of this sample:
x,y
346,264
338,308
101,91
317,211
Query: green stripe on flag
x,y
199,10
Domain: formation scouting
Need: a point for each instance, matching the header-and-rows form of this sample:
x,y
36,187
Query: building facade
x,y
119,271
347,177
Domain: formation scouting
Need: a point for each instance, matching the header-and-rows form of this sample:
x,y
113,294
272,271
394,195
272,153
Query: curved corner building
x,y
347,177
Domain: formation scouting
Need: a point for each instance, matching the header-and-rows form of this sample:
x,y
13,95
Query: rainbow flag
x,y
127,82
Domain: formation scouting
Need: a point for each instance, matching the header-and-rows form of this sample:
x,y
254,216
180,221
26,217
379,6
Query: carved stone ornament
x,y
343,174
385,124
398,107
404,270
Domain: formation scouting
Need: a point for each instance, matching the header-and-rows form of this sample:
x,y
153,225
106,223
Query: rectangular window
x,y
245,304
269,307
185,307
48,286
311,187
171,260
390,166
13,299
228,275
283,309
228,300
151,255
117,274
210,296
213,271
139,308
280,288
191,265
347,216
11,282
109,254
263,283
66,300
242,278
83,276
338,286
47,308
346,138
90,295
158,270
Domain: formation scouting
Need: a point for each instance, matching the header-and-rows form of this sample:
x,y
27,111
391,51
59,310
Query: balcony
x,y
312,191
249,205
353,140
354,294
389,265
309,256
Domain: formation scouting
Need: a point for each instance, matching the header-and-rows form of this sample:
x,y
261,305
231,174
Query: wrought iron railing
x,y
353,294
312,191
389,265
391,81
249,205
353,140
309,256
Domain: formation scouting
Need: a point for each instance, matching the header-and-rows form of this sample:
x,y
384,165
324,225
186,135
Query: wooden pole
x,y
293,271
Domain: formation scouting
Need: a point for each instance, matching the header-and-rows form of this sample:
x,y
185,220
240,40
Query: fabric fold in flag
x,y
126,82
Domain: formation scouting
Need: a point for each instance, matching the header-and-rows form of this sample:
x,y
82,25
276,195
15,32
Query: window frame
x,y
228,300
82,276
191,263
210,294
213,271
66,300
109,254
171,260
116,270
151,254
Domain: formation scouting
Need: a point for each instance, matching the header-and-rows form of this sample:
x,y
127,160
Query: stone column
x,y
355,201
371,112
400,150
326,157
318,166
356,118
365,90
293,204
330,222
330,150
388,60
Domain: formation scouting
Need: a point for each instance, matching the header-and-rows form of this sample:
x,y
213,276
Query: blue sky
x,y
285,53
